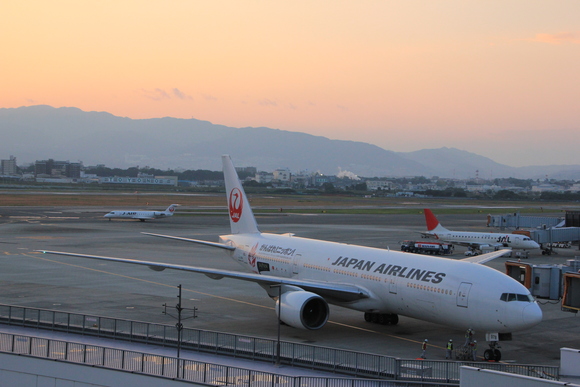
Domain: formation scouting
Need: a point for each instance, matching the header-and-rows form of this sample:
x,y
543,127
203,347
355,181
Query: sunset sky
x,y
499,78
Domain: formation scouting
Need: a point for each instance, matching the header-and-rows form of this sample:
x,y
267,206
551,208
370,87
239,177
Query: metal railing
x,y
175,368
357,364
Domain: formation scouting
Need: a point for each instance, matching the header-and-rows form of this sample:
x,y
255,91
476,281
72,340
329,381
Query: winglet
x,y
242,219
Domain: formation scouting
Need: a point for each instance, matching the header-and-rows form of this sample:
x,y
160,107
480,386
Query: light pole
x,y
179,324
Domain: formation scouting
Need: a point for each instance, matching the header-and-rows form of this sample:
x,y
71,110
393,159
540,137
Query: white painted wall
x,y
478,377
569,362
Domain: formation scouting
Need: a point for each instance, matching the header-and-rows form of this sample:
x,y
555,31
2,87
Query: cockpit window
x,y
516,297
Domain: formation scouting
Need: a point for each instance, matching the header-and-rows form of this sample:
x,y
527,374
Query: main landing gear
x,y
382,318
493,353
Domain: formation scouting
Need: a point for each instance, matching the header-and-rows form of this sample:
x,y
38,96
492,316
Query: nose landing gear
x,y
493,353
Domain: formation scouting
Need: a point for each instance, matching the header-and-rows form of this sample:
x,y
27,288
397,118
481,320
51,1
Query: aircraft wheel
x,y
393,319
496,355
488,355
368,317
375,317
383,319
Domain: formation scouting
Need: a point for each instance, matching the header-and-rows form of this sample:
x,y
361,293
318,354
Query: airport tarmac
x,y
28,278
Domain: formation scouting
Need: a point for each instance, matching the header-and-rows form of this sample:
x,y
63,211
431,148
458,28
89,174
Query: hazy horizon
x,y
493,78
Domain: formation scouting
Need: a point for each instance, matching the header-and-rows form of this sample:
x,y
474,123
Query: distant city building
x,y
482,188
248,170
320,179
374,185
302,179
9,167
57,169
264,177
282,175
547,187
145,179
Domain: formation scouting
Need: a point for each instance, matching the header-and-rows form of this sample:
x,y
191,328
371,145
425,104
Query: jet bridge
x,y
552,282
516,221
571,296
550,236
544,230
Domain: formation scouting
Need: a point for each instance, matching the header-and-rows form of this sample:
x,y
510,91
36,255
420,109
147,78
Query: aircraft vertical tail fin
x,y
171,209
242,220
432,222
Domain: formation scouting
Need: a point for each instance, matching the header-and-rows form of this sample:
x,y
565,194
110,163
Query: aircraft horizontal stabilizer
x,y
212,244
339,291
483,258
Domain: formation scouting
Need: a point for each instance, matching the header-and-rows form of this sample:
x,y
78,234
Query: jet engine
x,y
302,309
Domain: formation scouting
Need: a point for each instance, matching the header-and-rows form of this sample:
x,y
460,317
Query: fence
x,y
357,364
175,368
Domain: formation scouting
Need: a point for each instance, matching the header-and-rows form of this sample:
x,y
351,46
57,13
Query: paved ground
x,y
75,285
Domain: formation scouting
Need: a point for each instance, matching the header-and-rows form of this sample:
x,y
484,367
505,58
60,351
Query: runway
x,y
31,279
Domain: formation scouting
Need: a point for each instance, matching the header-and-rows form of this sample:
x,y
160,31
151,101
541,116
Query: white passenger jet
x,y
142,215
476,240
305,275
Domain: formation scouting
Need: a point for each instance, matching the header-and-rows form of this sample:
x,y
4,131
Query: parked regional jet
x,y
142,215
476,240
305,275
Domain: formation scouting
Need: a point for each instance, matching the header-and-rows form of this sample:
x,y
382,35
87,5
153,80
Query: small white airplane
x,y
305,275
476,240
142,215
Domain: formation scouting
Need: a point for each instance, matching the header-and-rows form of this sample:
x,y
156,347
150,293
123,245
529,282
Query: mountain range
x,y
43,132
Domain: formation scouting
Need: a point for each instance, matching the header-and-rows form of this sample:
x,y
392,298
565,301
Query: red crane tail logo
x,y
252,256
236,205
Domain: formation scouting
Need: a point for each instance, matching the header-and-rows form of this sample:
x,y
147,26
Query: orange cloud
x,y
559,38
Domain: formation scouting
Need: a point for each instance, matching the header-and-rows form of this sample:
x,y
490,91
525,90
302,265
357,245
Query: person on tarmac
x,y
449,350
474,350
468,336
424,348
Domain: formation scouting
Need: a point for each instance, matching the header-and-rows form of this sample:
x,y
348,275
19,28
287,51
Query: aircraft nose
x,y
532,315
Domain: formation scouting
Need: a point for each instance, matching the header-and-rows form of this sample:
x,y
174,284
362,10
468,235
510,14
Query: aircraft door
x,y
463,294
296,264
241,255
393,286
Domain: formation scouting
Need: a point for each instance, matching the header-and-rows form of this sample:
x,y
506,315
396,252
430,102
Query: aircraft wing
x,y
467,244
337,291
483,258
212,244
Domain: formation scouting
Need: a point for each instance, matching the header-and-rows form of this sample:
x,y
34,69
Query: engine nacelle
x,y
302,309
